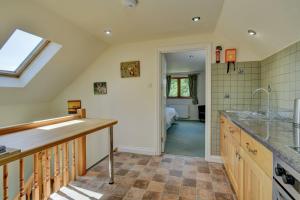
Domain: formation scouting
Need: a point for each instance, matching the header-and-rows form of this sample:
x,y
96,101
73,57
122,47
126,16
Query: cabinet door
x,y
233,163
256,185
222,136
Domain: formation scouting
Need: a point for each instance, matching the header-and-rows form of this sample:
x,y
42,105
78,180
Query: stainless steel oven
x,y
286,181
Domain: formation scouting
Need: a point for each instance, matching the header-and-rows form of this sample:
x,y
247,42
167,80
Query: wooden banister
x,y
36,124
42,142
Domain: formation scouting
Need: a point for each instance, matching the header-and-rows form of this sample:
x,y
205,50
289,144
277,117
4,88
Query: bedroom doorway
x,y
183,102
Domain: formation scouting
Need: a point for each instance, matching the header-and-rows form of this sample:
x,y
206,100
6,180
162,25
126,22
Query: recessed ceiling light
x,y
195,19
251,32
107,32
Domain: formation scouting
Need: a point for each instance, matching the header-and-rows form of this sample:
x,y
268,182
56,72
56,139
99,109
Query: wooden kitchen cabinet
x,y
256,185
249,180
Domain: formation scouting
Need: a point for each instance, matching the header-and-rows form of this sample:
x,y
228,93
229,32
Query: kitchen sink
x,y
250,115
295,148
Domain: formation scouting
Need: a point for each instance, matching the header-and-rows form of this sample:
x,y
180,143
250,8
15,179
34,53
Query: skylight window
x,y
19,51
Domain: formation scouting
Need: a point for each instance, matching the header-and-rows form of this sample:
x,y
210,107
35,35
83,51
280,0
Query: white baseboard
x,y
138,150
216,159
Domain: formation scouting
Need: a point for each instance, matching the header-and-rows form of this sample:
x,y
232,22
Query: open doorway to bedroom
x,y
183,102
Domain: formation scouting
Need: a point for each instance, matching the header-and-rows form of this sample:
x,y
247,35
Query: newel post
x,y
81,148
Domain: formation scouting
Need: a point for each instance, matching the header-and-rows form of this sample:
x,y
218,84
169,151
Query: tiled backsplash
x,y
233,91
282,72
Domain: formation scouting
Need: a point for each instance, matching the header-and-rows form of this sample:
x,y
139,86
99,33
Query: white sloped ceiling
x,y
79,50
276,22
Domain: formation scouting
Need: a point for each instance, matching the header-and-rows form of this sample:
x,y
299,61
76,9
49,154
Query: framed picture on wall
x,y
130,69
73,106
100,88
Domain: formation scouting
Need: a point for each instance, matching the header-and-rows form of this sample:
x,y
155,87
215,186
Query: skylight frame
x,y
28,60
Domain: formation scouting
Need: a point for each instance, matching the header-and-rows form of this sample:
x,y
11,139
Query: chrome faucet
x,y
268,91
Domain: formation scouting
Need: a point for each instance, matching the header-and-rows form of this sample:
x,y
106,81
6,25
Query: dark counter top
x,y
277,136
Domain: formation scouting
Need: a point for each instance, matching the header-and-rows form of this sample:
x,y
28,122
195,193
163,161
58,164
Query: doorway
x,y
183,102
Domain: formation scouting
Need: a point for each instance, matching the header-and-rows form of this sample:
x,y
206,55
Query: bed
x,y
170,116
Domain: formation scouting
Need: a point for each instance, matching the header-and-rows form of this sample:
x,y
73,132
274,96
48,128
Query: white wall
x,y
132,101
193,109
15,114
22,113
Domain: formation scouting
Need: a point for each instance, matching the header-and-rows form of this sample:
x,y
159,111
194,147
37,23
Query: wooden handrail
x,y
36,124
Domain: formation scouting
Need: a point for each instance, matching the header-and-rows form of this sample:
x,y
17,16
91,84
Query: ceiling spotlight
x,y
107,32
130,3
251,32
195,19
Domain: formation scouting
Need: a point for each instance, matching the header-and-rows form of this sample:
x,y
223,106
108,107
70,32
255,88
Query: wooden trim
x,y
73,174
30,58
66,164
22,182
81,156
23,154
5,182
36,124
46,175
36,175
81,112
57,175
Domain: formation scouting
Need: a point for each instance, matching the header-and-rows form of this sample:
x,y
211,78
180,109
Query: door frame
x,y
178,48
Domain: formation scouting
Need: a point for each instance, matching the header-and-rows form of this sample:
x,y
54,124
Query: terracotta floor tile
x,y
142,184
156,186
159,178
205,185
134,194
187,192
150,195
169,196
222,187
176,173
172,189
189,182
205,194
223,196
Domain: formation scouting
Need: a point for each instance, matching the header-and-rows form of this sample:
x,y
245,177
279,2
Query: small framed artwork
x,y
100,88
73,106
130,69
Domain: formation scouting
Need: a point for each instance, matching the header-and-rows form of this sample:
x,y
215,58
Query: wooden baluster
x,y
22,183
5,182
61,163
36,173
66,165
81,165
73,176
46,175
57,174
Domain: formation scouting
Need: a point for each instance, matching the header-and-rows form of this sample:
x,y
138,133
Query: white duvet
x,y
170,116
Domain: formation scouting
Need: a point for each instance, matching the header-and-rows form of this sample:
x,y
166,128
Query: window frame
x,y
29,59
179,89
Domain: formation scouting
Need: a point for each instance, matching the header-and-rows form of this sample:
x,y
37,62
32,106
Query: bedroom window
x,y
179,88
19,51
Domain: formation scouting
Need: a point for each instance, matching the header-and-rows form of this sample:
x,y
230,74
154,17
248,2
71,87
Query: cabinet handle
x,y
253,151
237,155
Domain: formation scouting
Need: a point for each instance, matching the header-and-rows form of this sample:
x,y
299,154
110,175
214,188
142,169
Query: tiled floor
x,y
140,177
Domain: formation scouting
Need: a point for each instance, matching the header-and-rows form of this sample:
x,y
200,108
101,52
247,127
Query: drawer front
x,y
260,154
234,132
